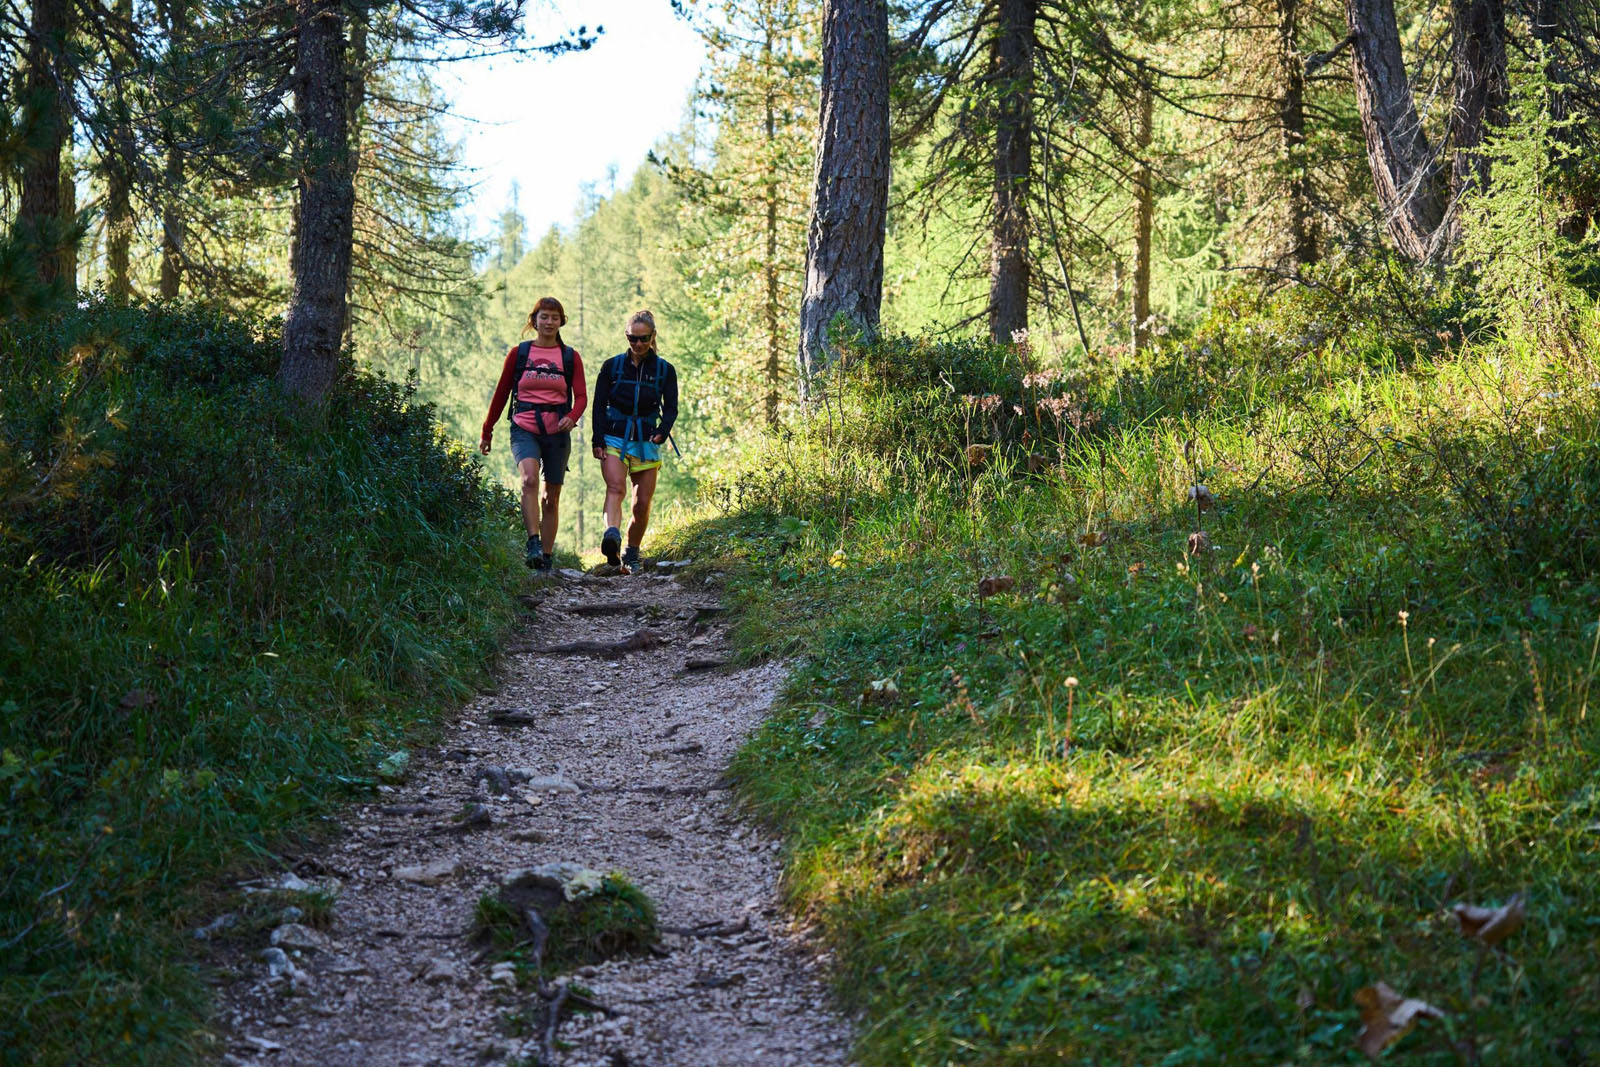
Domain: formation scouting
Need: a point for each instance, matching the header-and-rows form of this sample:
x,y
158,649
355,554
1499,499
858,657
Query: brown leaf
x,y
1492,925
1199,542
1037,463
977,455
996,583
1386,1017
1092,539
136,698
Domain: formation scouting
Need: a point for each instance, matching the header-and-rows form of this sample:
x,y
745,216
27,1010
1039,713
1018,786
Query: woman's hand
x,y
567,422
599,452
483,445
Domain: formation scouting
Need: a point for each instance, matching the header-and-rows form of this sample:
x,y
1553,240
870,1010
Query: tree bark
x,y
1410,185
844,244
40,206
1144,220
1302,237
770,267
119,210
172,220
1481,89
355,103
1011,70
319,306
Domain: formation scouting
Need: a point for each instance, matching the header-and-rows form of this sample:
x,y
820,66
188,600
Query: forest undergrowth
x,y
1159,717
219,616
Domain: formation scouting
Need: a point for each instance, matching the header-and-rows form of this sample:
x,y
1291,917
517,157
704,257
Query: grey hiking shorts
x,y
551,450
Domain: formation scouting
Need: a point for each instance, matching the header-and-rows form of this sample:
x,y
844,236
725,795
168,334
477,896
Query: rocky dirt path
x,y
611,763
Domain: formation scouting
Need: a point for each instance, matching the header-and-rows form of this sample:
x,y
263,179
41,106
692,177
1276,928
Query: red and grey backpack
x,y
518,406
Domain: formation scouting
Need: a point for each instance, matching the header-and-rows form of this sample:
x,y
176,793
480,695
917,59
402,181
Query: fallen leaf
x,y
1386,1017
1092,539
1135,570
1492,925
1037,463
995,584
977,455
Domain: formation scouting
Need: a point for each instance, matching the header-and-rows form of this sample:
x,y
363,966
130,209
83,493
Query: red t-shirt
x,y
542,383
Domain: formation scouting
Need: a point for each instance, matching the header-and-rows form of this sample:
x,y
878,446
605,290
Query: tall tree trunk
x,y
172,220
119,210
67,250
1011,68
774,341
1144,219
323,226
1302,238
844,244
1411,188
1481,89
356,98
39,210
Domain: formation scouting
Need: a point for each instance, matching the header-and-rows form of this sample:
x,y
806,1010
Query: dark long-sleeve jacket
x,y
624,391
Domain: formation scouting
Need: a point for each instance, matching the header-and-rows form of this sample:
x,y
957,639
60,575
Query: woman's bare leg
x,y
616,485
550,517
644,488
528,469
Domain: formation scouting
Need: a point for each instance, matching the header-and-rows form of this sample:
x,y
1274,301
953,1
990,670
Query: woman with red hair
x,y
543,379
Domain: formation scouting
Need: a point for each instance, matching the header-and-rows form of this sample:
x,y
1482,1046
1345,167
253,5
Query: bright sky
x,y
554,124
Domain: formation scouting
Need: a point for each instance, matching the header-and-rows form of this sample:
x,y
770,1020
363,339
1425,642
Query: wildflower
x,y
1404,615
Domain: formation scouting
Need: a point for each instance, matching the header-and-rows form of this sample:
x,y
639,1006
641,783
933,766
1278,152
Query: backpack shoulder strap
x,y
569,360
516,380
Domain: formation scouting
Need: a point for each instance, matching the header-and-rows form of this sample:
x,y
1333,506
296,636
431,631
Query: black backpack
x,y
517,407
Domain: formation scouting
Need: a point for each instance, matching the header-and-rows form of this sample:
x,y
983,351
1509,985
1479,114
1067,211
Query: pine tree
x,y
747,209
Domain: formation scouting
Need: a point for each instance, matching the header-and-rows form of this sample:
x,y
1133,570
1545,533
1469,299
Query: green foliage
x,y
1156,804
1516,242
218,618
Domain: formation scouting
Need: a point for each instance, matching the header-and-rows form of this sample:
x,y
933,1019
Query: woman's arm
x,y
497,403
669,403
580,392
602,400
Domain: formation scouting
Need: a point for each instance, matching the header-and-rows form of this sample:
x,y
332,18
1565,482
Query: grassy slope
x,y
219,615
1282,761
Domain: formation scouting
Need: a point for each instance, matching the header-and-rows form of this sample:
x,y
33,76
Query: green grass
x,y
1178,809
618,919
221,614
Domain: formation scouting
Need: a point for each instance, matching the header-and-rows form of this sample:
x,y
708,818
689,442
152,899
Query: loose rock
x,y
429,874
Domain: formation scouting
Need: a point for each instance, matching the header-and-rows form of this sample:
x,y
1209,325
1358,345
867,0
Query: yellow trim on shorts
x,y
633,464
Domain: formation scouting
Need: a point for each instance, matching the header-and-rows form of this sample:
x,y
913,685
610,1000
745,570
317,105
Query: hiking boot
x,y
534,553
611,545
630,559
548,563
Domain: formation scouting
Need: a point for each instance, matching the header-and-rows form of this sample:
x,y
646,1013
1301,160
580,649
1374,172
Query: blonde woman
x,y
635,403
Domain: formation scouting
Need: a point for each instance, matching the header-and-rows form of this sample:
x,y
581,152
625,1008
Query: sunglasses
x,y
642,339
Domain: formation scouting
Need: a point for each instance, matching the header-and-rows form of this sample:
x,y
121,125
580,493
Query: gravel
x,y
621,764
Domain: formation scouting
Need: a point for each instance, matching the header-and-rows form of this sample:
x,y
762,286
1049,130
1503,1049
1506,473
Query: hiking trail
x,y
610,754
